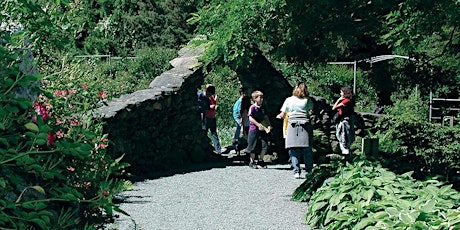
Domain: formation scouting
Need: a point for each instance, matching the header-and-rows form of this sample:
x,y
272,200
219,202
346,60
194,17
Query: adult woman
x,y
299,136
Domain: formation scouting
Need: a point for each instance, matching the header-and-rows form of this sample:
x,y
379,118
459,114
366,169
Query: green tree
x,y
429,32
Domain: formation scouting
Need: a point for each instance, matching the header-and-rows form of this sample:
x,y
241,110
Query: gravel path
x,y
223,197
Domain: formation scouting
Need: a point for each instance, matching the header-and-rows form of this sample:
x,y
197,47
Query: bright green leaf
x,y
406,218
315,207
428,207
39,189
32,127
392,211
363,223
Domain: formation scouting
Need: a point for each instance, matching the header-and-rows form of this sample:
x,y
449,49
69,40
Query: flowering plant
x,y
54,170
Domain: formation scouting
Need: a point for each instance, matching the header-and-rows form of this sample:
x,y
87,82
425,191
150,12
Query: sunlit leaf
x,y
406,218
32,127
39,189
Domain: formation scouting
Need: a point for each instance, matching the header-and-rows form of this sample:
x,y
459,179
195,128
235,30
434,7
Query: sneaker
x,y
262,164
252,165
218,152
297,175
223,150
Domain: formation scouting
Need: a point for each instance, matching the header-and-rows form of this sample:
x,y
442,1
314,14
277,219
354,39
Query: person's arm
x,y
283,110
213,106
259,125
280,115
338,103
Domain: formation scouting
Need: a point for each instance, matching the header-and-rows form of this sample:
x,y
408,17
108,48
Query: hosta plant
x,y
363,195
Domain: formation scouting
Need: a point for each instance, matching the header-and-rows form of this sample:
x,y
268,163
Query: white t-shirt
x,y
297,106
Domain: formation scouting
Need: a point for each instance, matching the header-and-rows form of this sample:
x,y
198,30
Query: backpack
x,y
203,102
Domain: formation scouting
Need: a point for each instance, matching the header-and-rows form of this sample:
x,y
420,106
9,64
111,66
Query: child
x,y
210,115
258,133
345,128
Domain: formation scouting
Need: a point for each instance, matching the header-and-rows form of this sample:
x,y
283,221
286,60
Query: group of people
x,y
252,120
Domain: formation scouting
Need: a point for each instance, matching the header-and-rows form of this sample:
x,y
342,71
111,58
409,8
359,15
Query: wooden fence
x,y
444,110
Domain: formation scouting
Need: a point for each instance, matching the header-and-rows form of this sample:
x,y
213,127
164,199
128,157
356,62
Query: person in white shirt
x,y
299,135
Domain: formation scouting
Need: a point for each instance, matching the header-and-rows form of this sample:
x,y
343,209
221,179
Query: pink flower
x,y
60,134
84,86
74,122
70,91
70,168
87,184
41,110
60,93
51,139
101,146
102,95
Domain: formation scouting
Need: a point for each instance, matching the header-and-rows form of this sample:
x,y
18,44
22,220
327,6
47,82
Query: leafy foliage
x,y
299,32
113,77
121,27
290,30
314,181
407,137
364,195
53,163
55,173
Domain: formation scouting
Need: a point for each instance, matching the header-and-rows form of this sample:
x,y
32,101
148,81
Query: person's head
x,y
210,89
300,90
346,92
257,97
242,90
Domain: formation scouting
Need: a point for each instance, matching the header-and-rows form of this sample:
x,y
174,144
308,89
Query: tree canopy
x,y
310,31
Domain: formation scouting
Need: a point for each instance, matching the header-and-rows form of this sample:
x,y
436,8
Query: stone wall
x,y
158,128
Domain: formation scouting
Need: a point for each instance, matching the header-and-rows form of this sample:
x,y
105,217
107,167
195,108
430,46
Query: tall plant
x,y
54,173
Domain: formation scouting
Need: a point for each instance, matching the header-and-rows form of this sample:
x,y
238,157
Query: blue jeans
x,y
236,136
296,153
212,126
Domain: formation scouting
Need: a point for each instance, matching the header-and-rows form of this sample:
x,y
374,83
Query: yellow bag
x,y
285,124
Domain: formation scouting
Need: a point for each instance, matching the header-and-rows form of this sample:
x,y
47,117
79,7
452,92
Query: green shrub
x,y
363,195
117,77
54,170
409,142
